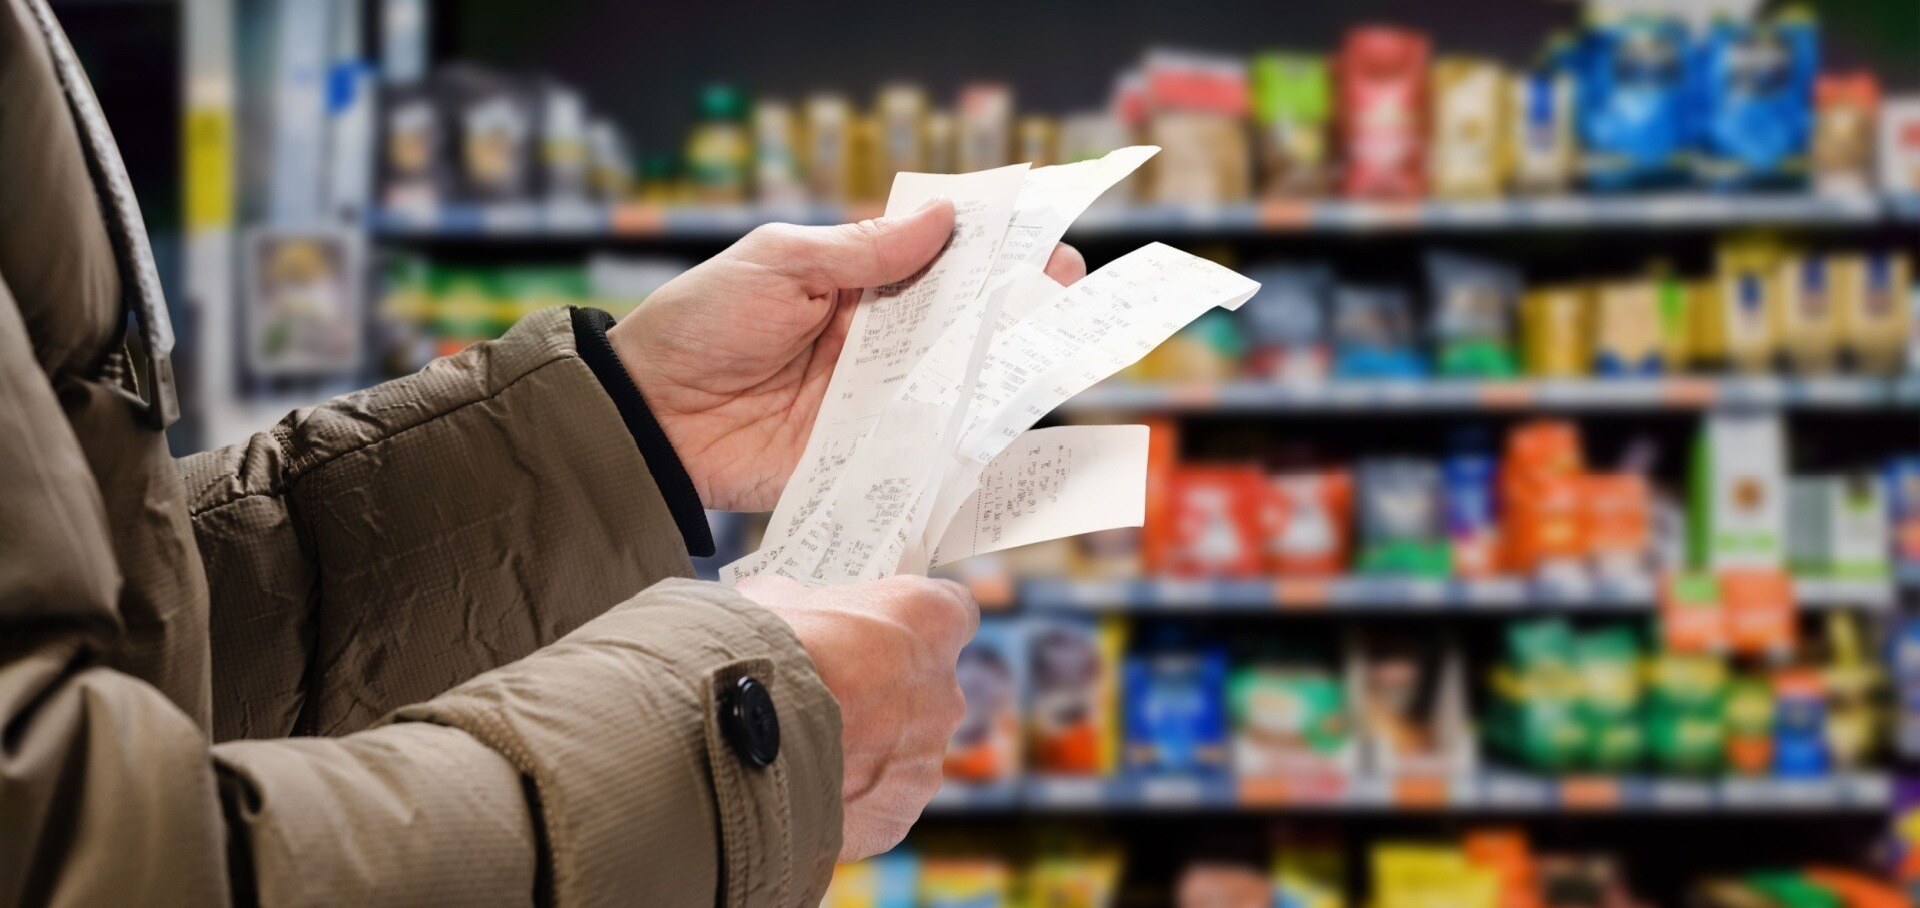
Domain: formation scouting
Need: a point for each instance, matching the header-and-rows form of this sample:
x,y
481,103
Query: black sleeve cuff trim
x,y
683,502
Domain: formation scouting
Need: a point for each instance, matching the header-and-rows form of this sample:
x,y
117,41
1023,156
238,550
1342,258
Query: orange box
x,y
1692,619
1759,610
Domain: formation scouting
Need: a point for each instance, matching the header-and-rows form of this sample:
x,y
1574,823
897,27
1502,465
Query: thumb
x,y
866,254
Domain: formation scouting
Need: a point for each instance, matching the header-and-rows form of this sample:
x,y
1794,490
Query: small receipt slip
x,y
924,450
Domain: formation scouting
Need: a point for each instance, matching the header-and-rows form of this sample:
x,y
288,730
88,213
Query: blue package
x,y
1467,481
1632,109
1176,715
1799,733
1373,333
1752,84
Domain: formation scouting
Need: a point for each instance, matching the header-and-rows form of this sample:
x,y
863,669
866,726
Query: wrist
x,y
619,376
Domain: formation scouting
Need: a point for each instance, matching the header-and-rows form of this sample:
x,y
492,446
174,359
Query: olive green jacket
x,y
422,644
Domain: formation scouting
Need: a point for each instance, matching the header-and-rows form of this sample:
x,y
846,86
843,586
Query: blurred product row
x,y
1485,867
1058,696
1630,102
1766,306
1533,508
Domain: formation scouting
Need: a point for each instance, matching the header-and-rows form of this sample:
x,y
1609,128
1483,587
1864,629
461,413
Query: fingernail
x,y
930,203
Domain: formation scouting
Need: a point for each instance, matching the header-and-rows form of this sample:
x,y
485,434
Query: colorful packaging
x,y
1617,521
1373,335
1307,875
1627,325
414,170
1810,317
1430,876
1759,609
1632,103
1292,110
1382,74
1686,712
1739,492
1474,301
829,149
1307,521
1466,158
1743,311
719,148
1799,724
1900,145
1854,682
1289,720
1906,680
1693,619
1542,516
985,127
1215,523
1400,510
991,671
891,880
1196,108
1286,323
1903,510
1208,350
1754,89
1555,332
776,157
1874,298
1073,880
1540,147
1608,664
610,163
1037,141
1176,711
1750,726
1837,526
1845,105
1468,475
901,111
1073,725
1535,715
1409,695
1678,346
960,882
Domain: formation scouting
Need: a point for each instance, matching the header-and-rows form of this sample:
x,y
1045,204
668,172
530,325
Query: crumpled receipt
x,y
924,450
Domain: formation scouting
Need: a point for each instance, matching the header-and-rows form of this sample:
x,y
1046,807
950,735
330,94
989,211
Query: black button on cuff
x,y
748,720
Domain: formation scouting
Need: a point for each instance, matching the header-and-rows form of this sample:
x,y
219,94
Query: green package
x,y
1292,110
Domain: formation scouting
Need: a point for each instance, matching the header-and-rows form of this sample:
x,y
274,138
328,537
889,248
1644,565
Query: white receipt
x,y
927,396
1051,483
894,325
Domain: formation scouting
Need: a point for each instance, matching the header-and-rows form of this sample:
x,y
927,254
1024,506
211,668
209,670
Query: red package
x,y
1541,486
1618,521
1307,520
1382,113
1214,523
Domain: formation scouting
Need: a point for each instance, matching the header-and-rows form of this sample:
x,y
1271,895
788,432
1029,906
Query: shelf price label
x,y
1589,793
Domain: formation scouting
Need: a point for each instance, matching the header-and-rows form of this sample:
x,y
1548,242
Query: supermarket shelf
x,y
1370,595
533,221
1496,792
1597,394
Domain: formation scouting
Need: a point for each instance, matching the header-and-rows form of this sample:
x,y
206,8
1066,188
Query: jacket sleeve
x,y
393,563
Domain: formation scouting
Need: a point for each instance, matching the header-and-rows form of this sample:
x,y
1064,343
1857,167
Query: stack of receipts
x,y
921,453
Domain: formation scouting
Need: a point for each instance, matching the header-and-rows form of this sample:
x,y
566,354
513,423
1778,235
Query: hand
x,y
886,650
734,355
